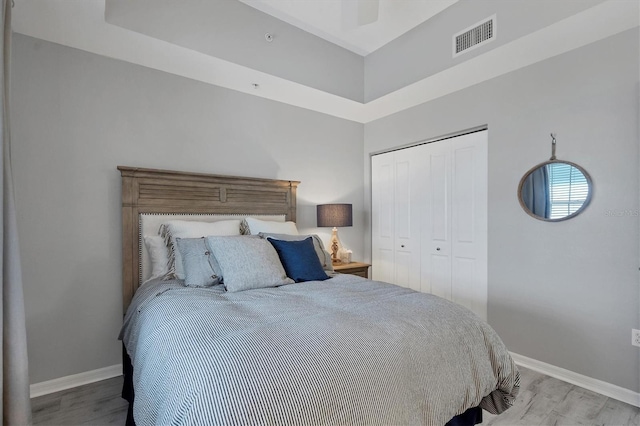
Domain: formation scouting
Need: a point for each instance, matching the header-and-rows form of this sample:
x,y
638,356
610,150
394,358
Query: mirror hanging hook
x,y
553,146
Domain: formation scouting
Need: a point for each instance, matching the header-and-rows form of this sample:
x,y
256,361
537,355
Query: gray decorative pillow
x,y
199,265
191,229
247,262
323,255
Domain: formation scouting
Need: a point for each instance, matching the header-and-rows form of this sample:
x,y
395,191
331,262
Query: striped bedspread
x,y
341,351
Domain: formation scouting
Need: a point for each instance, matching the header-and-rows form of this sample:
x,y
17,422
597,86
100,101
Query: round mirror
x,y
555,190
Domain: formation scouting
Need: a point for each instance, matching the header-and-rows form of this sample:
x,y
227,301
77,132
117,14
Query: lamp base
x,y
335,246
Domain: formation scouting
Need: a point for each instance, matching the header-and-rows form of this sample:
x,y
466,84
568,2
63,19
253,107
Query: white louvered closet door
x,y
430,201
396,189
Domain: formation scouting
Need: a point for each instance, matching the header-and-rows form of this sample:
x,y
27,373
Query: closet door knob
x,y
402,245
438,248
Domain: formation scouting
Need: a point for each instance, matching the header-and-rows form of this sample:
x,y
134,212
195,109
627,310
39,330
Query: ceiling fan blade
x,y
356,13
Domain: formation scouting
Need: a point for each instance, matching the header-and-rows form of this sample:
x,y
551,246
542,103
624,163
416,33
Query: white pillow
x,y
158,254
190,229
257,226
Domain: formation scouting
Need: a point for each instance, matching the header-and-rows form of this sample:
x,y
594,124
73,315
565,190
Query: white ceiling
x,y
325,18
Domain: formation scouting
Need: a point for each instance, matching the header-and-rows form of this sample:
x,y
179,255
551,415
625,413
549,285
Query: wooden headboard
x,y
171,192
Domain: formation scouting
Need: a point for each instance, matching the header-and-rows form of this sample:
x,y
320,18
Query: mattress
x,y
341,351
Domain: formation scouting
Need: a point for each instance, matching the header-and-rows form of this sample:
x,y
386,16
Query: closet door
x,y
454,235
469,222
436,230
409,188
382,217
397,186
429,219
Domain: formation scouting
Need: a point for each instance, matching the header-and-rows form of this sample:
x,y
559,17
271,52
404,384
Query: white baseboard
x,y
68,382
595,385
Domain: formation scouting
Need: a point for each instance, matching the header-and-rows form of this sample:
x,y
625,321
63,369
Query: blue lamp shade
x,y
334,215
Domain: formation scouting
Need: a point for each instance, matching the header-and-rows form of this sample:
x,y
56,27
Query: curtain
x,y
16,405
536,194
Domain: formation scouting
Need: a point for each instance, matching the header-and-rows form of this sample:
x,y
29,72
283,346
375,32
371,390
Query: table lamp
x,y
335,215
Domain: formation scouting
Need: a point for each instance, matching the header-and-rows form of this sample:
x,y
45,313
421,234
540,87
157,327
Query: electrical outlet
x,y
635,337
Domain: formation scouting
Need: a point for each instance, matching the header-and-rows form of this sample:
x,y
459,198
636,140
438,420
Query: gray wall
x,y
571,286
76,116
233,31
563,293
427,49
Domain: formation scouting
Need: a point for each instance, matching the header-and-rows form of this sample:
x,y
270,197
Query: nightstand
x,y
353,268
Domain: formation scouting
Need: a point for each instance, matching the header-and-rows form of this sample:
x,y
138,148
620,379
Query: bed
x,y
334,350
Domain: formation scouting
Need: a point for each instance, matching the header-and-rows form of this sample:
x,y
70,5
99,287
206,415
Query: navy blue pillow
x,y
299,259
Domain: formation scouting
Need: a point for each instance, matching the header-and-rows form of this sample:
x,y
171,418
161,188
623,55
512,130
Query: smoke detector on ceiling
x,y
474,36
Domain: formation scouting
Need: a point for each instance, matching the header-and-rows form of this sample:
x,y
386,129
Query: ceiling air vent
x,y
475,36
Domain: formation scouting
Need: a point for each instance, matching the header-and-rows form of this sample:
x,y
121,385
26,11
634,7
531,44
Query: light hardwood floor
x,y
543,400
